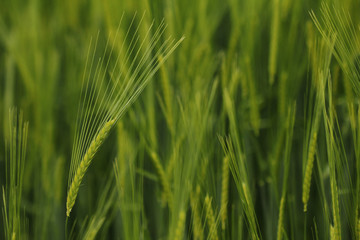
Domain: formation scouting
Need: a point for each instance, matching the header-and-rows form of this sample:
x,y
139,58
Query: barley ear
x,y
196,221
224,192
210,218
180,226
336,211
162,177
332,232
84,164
308,171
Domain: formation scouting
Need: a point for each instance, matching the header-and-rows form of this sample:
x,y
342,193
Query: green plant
x,y
247,129
14,221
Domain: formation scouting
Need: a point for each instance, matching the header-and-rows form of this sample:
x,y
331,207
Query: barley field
x,y
208,119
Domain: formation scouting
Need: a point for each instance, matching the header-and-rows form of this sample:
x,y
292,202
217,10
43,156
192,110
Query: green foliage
x,y
180,119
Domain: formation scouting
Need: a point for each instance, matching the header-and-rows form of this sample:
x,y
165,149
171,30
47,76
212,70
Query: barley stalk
x,y
281,219
15,153
282,93
253,99
244,86
167,96
246,194
308,171
357,229
84,164
274,40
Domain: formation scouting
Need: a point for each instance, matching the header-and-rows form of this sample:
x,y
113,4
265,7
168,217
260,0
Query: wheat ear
x,y
84,164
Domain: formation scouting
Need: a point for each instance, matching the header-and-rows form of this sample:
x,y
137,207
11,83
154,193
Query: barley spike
x,y
224,192
180,227
84,164
308,171
210,219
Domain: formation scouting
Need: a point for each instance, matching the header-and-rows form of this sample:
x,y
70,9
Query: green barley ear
x,y
180,227
240,175
336,211
162,177
332,232
14,168
224,192
321,59
308,171
196,221
210,218
109,87
84,164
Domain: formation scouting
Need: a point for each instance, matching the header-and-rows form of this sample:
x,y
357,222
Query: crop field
x,y
179,119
